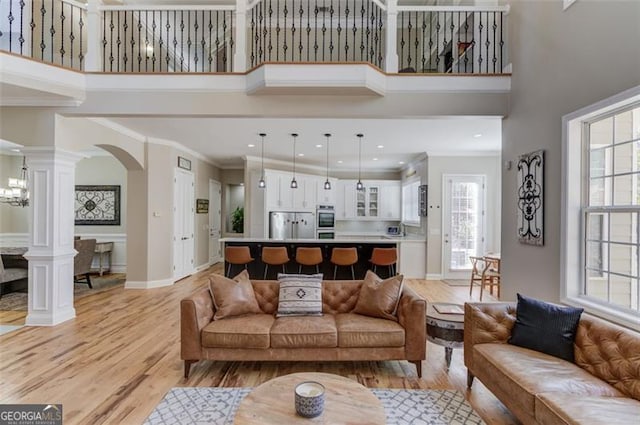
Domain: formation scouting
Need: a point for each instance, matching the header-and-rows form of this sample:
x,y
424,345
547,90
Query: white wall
x,y
12,219
478,165
562,61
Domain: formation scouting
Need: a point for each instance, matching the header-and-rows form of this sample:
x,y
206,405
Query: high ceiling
x,y
226,141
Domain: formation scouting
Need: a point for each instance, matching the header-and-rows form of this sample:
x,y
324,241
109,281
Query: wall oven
x,y
326,217
326,234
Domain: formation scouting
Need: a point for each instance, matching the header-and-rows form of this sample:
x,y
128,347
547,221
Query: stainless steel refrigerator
x,y
292,225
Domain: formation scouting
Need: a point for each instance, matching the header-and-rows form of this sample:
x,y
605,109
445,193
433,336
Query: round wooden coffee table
x,y
346,402
446,329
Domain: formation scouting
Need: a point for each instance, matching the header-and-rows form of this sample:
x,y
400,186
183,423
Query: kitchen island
x,y
364,246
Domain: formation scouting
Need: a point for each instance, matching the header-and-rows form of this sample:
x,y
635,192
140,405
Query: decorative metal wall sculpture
x,y
97,205
530,198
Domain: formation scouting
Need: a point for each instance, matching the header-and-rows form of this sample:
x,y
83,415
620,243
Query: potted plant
x,y
237,220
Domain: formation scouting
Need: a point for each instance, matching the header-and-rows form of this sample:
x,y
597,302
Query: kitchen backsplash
x,y
365,226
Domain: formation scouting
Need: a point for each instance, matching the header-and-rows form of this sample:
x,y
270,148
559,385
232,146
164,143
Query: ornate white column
x,y
391,42
51,229
240,56
94,36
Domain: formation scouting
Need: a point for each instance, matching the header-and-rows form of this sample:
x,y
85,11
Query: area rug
x,y
456,282
217,406
17,301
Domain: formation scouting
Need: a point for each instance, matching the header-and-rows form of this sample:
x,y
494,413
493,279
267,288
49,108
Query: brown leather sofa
x,y
338,335
602,387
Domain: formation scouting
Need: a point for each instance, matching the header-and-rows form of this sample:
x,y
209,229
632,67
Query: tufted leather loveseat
x,y
602,387
338,335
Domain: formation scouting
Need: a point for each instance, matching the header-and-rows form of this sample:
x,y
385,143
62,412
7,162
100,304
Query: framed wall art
x,y
184,163
202,206
97,205
531,198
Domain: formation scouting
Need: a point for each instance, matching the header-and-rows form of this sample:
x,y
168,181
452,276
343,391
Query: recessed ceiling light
x,y
340,162
375,159
318,146
251,145
477,135
400,162
380,146
15,150
300,154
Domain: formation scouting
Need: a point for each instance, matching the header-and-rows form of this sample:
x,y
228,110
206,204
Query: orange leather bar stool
x,y
344,257
308,257
237,255
274,256
384,257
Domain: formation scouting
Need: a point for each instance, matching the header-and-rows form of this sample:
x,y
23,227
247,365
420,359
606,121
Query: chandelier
x,y
18,192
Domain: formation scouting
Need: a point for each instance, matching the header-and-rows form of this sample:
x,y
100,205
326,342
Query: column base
x,y
47,319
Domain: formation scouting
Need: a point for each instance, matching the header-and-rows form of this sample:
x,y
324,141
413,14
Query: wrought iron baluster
x,y
480,59
495,28
416,43
71,36
118,43
331,46
457,46
111,28
202,41
501,43
104,41
339,30
364,31
278,29
231,44
80,27
11,19
437,52
210,57
253,36
466,41
354,30
308,29
224,47
380,27
217,40
423,38
300,45
270,45
487,43
285,12
362,10
264,29
153,41
324,28
409,28
195,40
21,38
62,51
402,40
260,20
293,30
32,25
160,40
43,46
52,29
346,28
315,31
454,49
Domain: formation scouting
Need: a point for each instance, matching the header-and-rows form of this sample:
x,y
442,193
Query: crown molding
x,y
176,145
125,131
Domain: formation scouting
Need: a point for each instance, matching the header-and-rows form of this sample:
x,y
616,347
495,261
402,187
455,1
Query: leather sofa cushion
x,y
250,331
304,332
355,330
379,298
232,297
525,373
567,409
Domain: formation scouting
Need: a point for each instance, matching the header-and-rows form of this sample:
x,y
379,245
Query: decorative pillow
x,y
300,295
379,298
544,327
233,297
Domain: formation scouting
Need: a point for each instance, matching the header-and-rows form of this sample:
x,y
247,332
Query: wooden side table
x,y
346,402
104,249
445,329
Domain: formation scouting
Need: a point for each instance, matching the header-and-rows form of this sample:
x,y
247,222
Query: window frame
x,y
575,179
411,182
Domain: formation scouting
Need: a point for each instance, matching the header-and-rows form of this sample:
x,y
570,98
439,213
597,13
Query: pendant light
x,y
359,185
262,184
294,183
327,183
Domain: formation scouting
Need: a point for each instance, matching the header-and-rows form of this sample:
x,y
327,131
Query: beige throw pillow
x,y
379,298
233,297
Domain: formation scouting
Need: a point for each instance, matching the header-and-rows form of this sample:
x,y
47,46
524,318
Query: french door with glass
x,y
463,222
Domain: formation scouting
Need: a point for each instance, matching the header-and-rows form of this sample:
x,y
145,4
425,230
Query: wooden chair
x,y
82,261
308,257
384,257
274,256
485,271
344,257
239,255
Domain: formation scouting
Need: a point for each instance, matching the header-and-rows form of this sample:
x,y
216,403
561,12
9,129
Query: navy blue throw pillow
x,y
544,327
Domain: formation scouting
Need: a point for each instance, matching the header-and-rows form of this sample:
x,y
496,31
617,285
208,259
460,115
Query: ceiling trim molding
x,y
125,131
39,102
177,145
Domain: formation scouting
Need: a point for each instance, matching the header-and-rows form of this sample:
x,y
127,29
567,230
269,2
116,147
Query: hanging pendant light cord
x,y
328,157
359,155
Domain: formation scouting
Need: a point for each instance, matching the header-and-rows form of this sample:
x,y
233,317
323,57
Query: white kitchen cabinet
x,y
346,200
390,200
304,197
278,190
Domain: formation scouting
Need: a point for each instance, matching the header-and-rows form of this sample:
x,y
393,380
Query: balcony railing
x,y
236,38
52,31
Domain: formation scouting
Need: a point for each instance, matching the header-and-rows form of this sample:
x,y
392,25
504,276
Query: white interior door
x,y
183,223
463,222
215,221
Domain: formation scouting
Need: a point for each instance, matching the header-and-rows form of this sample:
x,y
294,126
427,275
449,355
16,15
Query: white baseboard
x,y
148,284
433,276
203,266
118,268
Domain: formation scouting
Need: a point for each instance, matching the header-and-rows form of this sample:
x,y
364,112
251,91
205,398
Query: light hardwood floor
x,y
115,361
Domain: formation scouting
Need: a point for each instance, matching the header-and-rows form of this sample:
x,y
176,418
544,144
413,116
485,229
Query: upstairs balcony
x,y
364,41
